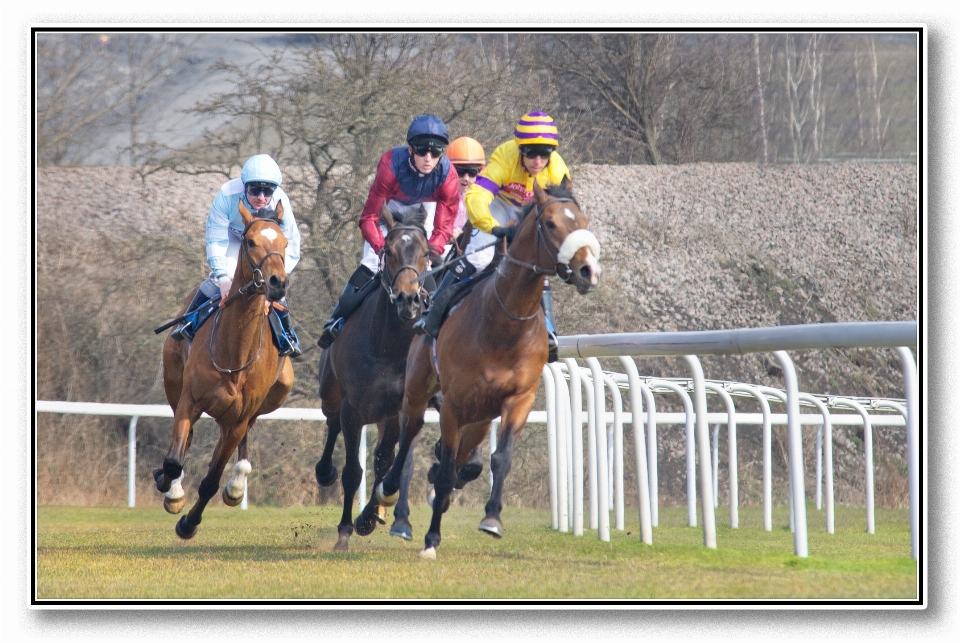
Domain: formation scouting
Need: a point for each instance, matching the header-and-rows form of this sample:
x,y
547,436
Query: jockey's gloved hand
x,y
504,232
224,290
435,259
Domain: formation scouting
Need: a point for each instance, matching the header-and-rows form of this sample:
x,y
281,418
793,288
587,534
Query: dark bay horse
x,y
362,373
491,351
231,370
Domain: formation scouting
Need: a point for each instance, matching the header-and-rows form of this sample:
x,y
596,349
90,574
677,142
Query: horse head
x,y
404,258
563,228
264,246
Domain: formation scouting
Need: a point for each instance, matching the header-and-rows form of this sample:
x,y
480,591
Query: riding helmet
x,y
261,169
466,151
536,128
426,129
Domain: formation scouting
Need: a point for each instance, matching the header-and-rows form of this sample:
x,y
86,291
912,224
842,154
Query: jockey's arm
x,y
448,201
383,186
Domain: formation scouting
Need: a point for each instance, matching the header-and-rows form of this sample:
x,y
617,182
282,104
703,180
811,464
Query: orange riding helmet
x,y
466,151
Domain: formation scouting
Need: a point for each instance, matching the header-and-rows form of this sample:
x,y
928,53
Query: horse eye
x,y
250,243
550,224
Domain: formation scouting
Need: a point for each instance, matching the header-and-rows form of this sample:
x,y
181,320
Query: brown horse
x,y
362,373
231,370
491,351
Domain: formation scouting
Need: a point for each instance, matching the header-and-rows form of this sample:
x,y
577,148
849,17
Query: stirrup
x,y
183,331
330,332
420,327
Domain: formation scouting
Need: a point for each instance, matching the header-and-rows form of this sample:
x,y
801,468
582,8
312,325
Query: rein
x,y
535,267
256,282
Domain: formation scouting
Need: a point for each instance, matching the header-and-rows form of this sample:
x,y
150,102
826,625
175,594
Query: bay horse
x,y
488,356
362,373
231,370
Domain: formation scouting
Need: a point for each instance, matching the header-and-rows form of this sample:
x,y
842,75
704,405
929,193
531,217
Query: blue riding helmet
x,y
428,125
261,169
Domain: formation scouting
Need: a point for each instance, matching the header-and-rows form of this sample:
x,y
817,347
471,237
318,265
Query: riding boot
x,y
287,339
333,325
547,303
194,317
429,322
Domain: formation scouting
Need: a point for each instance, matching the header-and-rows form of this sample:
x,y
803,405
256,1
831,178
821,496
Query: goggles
x,y
472,172
532,152
434,150
256,189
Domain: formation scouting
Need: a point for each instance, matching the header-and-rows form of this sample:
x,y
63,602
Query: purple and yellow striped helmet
x,y
536,128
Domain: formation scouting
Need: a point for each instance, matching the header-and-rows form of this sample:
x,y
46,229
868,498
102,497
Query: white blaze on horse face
x,y
405,237
567,212
269,233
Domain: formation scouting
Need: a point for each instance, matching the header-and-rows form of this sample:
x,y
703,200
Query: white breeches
x,y
370,258
504,213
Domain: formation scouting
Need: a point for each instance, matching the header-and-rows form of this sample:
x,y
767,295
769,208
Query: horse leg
x,y
232,494
473,467
401,513
229,441
388,433
512,420
352,472
169,477
444,481
330,402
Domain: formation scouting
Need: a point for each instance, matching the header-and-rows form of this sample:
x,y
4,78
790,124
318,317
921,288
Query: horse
x,y
499,326
230,371
362,373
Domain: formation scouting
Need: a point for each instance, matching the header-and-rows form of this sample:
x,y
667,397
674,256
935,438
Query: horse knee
x,y
208,488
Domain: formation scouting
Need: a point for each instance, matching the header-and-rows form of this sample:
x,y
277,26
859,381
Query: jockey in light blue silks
x,y
259,188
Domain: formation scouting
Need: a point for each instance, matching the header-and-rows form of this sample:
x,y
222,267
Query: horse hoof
x,y
469,472
387,501
430,553
491,526
431,494
363,527
381,514
228,500
185,530
328,480
174,505
401,530
342,545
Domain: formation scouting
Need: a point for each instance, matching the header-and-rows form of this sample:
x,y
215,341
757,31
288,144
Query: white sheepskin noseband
x,y
576,240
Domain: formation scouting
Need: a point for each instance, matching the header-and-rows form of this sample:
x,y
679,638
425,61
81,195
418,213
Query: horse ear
x,y
244,213
538,192
566,183
279,211
386,216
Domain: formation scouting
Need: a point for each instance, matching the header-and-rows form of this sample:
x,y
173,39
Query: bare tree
x,y
90,86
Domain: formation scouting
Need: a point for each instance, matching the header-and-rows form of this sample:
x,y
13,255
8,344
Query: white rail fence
x,y
566,383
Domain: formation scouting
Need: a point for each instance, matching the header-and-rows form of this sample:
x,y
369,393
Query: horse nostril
x,y
586,273
275,282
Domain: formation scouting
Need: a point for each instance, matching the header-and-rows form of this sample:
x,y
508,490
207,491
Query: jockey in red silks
x,y
495,200
407,176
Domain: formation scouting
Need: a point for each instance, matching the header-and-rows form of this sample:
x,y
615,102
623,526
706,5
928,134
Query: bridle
x,y
386,280
256,282
566,273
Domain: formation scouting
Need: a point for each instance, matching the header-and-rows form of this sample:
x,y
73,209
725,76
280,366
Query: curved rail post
x,y
691,464
550,395
603,502
652,454
615,453
731,452
827,430
867,454
563,443
587,384
795,453
913,444
703,451
576,426
767,448
639,449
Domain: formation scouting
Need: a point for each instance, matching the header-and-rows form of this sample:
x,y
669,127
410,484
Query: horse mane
x,y
414,217
270,214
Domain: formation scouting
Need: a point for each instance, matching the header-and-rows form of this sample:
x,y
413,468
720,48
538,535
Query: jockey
x,y
495,200
259,188
468,160
407,176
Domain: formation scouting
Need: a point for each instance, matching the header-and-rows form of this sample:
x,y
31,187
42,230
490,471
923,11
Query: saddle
x,y
350,302
462,288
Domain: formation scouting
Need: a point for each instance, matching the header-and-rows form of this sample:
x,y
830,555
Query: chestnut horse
x,y
362,373
231,370
490,352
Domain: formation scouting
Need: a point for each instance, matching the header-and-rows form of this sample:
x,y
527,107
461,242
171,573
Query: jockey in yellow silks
x,y
495,200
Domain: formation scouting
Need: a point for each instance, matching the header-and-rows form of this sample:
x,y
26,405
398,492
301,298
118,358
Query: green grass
x,y
285,553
